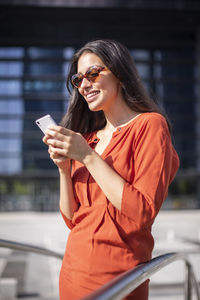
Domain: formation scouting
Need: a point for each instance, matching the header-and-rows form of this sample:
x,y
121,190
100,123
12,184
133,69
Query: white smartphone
x,y
44,122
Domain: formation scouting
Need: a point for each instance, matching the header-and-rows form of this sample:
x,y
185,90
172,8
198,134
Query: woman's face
x,y
103,93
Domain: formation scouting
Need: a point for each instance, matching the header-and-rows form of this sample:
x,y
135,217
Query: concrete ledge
x,y
8,288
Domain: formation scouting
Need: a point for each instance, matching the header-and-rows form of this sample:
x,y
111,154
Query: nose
x,y
85,83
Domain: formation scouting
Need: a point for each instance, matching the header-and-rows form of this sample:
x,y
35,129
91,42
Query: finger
x,y
45,139
49,150
55,135
54,150
59,160
59,151
59,129
54,127
55,143
56,156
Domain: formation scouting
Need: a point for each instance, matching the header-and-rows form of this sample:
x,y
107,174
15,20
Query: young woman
x,y
116,160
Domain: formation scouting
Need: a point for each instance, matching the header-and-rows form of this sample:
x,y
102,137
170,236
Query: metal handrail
x,y
124,284
29,248
189,240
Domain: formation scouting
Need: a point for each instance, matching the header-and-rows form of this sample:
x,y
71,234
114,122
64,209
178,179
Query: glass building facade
x,y
32,84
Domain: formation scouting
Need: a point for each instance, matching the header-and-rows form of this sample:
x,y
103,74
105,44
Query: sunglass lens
x,y
92,73
77,79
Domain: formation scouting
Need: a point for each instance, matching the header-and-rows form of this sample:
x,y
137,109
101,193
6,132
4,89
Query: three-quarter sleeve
x,y
68,222
155,165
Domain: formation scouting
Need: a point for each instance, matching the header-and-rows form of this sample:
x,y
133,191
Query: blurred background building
x,y
37,40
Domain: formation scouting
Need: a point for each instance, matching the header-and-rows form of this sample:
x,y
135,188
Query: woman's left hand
x,y
67,143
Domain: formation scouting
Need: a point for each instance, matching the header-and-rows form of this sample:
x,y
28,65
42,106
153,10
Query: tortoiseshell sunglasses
x,y
91,75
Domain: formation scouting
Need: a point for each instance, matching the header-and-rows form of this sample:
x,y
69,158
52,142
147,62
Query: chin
x,y
94,107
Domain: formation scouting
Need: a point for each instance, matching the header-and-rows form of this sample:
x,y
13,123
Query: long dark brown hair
x,y
118,60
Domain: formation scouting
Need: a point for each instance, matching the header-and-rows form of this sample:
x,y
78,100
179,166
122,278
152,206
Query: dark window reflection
x,y
32,84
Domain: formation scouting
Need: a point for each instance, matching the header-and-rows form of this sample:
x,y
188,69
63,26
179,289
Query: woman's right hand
x,y
61,162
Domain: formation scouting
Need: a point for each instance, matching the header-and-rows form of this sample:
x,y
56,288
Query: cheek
x,y
112,84
81,92
112,90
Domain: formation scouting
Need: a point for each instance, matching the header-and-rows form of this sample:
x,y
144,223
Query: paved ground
x,y
37,276
169,227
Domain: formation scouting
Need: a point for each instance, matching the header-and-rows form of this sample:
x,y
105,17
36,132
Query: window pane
x,y
68,53
11,106
10,165
157,71
39,52
11,126
140,54
65,68
10,145
143,69
41,68
11,87
42,86
11,52
11,69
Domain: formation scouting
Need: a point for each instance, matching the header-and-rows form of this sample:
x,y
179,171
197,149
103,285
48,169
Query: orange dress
x,y
105,241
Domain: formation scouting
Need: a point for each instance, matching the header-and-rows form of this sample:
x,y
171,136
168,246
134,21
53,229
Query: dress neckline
x,y
127,123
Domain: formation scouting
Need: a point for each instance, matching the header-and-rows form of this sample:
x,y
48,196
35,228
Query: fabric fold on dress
x,y
105,241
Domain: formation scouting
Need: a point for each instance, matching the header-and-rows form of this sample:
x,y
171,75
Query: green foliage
x,y
183,186
16,187
21,188
3,188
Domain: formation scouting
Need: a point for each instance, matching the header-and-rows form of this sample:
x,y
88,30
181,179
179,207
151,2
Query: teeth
x,y
92,94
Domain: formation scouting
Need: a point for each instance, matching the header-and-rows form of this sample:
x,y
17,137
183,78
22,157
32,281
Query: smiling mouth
x,y
92,94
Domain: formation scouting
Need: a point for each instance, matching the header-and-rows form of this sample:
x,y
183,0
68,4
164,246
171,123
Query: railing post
x,y
188,283
195,284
